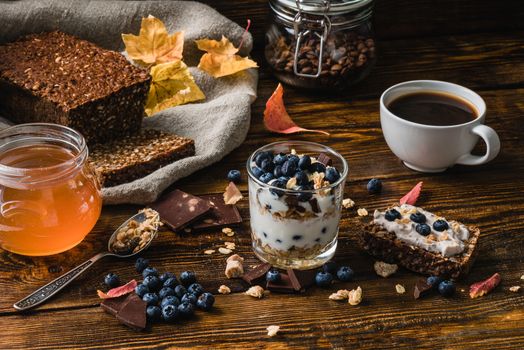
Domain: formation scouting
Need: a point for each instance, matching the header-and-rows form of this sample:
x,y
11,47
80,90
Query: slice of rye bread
x,y
385,246
136,156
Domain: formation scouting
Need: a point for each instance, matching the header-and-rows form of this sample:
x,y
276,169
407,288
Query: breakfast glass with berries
x,y
295,201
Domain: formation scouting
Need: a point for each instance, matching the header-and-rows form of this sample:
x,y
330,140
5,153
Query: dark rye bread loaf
x,y
136,156
57,78
385,246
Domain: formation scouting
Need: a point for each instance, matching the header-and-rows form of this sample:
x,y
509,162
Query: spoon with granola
x,y
131,238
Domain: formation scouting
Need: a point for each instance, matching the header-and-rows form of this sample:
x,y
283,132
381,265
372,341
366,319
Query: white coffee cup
x,y
429,148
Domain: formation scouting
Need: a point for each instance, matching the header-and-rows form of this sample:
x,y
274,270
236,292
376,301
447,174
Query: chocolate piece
x,y
219,215
113,305
133,313
421,289
257,275
324,159
301,279
314,205
177,209
284,286
127,159
58,78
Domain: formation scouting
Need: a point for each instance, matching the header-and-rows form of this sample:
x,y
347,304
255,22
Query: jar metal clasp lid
x,y
324,27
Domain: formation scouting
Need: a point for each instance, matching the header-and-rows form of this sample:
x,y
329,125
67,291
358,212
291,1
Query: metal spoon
x,y
53,287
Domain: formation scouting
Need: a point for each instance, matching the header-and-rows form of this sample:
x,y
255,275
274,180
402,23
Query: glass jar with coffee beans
x,y
320,44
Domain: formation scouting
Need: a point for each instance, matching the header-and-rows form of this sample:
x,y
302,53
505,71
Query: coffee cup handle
x,y
492,141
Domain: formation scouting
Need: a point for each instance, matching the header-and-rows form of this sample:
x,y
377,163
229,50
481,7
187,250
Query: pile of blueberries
x,y
323,278
167,297
420,219
277,169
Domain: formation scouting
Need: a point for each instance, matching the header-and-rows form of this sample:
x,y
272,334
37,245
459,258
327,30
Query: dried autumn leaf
x,y
118,291
412,196
277,119
221,58
484,287
171,85
232,194
154,45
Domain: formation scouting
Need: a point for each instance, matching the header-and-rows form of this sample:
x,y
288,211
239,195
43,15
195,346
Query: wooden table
x,y
479,44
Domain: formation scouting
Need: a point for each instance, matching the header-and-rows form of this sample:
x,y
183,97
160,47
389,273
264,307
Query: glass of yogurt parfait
x,y
295,200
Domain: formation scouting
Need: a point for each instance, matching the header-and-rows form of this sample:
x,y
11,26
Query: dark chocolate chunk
x,y
283,286
177,209
421,289
324,159
257,275
301,279
220,214
133,313
113,305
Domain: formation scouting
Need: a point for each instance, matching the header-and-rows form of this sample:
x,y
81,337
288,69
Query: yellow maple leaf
x,y
221,59
154,45
171,85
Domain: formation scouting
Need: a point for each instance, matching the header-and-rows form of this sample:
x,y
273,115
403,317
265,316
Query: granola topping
x,y
136,235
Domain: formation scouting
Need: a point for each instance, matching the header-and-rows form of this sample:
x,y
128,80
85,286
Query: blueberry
x,y
205,301
186,309
234,176
266,177
284,179
257,172
165,276
277,172
267,165
374,186
323,279
154,313
279,184
434,281
332,175
345,274
293,158
166,291
330,267
392,214
152,282
263,156
187,278
273,275
169,313
304,196
446,288
318,167
150,299
141,289
418,217
180,290
112,280
171,282
196,289
302,178
279,159
141,264
440,225
423,229
189,298
304,163
289,168
149,271
170,300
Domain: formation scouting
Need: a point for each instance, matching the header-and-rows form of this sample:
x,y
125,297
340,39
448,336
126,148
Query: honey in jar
x,y
49,198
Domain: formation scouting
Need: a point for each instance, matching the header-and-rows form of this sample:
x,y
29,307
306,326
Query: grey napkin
x,y
218,125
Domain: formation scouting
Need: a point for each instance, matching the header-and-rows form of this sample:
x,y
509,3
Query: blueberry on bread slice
x,y
420,241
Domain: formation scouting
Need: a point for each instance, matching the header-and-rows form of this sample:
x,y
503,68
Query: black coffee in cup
x,y
433,108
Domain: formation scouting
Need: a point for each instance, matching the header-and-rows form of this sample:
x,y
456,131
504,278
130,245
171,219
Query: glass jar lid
x,y
322,7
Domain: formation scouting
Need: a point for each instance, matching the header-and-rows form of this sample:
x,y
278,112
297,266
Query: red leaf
x,y
118,291
412,196
484,287
277,119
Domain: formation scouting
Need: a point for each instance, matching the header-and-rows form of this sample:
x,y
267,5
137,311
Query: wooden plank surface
x,y
491,196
